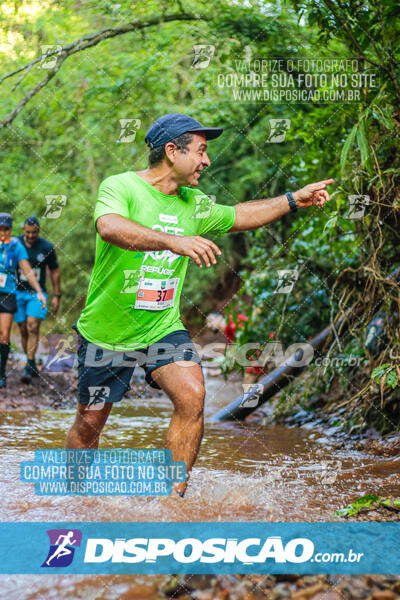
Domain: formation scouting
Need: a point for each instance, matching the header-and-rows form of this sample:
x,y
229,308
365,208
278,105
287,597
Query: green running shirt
x,y
133,297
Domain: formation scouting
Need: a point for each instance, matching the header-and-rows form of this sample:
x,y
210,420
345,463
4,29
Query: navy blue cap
x,y
169,126
32,220
6,220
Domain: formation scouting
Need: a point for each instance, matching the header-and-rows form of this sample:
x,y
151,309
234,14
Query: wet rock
x,y
313,579
334,421
308,592
173,586
383,595
287,577
360,595
138,592
242,590
324,440
382,447
261,583
202,595
332,430
200,582
331,595
281,590
372,433
302,415
225,581
181,584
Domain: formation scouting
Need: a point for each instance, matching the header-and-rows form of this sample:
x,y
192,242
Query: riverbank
x,y
332,416
51,390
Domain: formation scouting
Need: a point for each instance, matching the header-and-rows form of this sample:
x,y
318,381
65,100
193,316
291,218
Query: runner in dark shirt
x,y
29,313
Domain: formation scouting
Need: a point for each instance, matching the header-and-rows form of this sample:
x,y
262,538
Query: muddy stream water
x,y
244,472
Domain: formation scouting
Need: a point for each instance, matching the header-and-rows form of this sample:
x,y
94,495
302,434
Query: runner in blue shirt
x,y
30,313
12,255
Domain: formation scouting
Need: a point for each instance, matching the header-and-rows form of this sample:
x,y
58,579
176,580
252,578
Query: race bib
x,y
156,294
3,279
36,272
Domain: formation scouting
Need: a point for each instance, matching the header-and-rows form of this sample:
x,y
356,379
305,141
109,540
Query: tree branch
x,y
341,21
11,116
347,29
83,43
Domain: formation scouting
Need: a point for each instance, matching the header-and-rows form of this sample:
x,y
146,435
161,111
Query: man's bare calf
x,y
184,384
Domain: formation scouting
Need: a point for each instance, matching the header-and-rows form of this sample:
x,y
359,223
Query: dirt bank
x,y
50,390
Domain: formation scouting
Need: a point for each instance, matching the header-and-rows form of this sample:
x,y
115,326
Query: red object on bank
x,y
230,334
230,328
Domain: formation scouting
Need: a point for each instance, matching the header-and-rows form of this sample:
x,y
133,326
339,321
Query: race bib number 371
x,y
156,294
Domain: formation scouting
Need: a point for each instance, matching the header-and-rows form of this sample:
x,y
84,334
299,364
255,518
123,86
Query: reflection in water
x,y
245,471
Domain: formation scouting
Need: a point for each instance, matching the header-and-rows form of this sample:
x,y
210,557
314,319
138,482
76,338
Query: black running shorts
x,y
104,375
8,303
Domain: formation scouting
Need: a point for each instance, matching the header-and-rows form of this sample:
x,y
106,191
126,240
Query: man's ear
x,y
171,151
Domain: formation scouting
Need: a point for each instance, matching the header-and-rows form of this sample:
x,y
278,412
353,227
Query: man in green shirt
x,y
149,224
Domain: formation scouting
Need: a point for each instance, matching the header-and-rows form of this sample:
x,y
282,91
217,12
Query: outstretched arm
x,y
257,213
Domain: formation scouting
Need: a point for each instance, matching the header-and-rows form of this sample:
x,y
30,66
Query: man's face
x,y
5,233
31,234
189,164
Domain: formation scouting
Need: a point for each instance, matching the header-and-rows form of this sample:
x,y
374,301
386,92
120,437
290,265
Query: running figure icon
x,y
62,549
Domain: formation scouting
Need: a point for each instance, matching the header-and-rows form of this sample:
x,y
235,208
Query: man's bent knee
x,y
193,389
191,403
33,328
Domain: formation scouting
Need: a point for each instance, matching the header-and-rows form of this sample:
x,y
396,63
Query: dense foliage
x,y
66,139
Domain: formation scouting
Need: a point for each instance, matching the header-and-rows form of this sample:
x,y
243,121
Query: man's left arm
x,y
55,281
52,264
257,213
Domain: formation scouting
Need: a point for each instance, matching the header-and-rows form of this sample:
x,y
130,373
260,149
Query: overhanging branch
x,y
87,41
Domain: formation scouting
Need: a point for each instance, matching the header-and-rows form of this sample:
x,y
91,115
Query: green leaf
x,y
353,508
392,378
366,500
378,371
346,147
380,116
331,222
363,145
